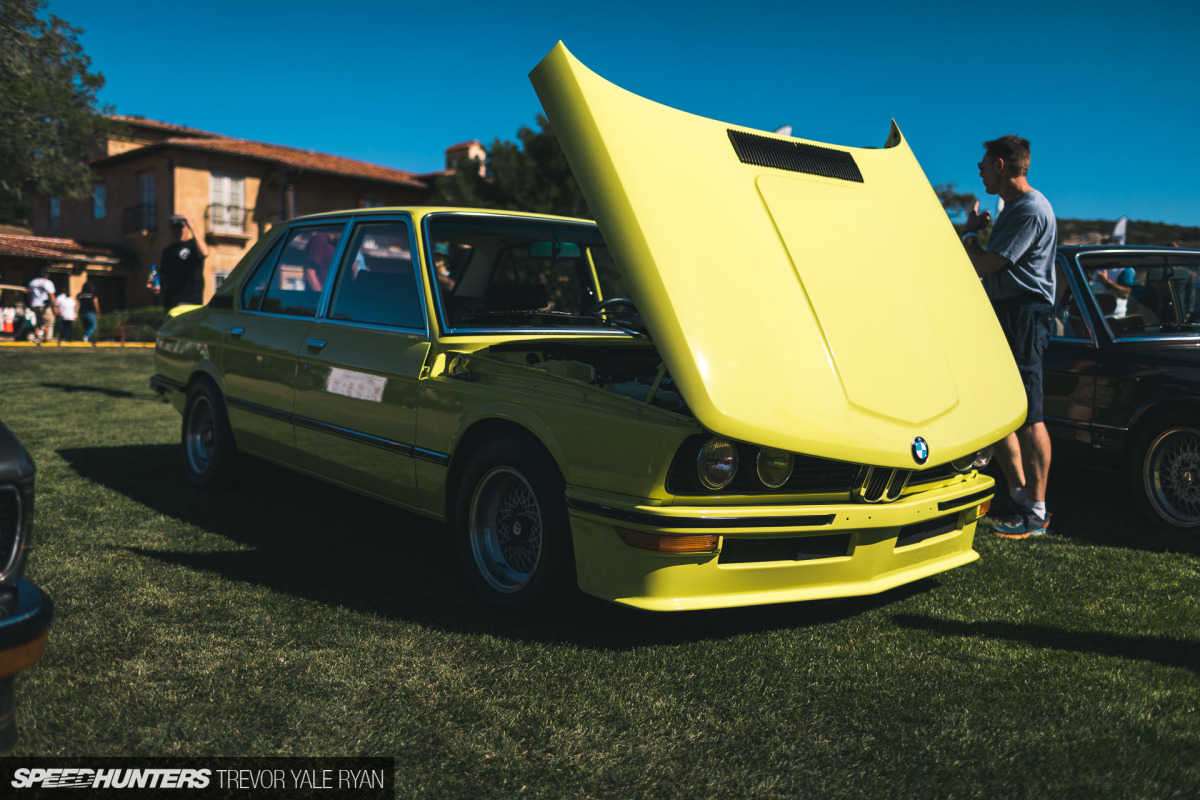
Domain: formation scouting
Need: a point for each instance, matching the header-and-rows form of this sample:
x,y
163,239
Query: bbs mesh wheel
x,y
511,525
1165,472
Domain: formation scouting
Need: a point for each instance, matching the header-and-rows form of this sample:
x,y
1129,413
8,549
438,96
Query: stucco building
x,y
233,189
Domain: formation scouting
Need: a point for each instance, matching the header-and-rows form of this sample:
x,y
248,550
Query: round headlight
x,y
983,458
977,460
774,467
717,463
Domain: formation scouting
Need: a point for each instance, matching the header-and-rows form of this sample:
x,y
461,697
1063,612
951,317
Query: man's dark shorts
x,y
1026,321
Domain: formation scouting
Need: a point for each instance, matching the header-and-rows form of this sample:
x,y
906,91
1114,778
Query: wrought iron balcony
x,y
225,219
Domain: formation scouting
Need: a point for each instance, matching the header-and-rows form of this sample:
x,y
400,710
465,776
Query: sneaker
x,y
1003,508
1022,524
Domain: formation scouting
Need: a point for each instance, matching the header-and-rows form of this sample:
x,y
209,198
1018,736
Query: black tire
x,y
511,526
1164,471
209,451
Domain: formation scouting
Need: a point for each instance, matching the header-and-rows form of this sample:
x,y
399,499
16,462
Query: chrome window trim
x,y
1157,339
276,252
457,332
1071,287
269,256
427,258
1164,253
1083,271
374,326
354,221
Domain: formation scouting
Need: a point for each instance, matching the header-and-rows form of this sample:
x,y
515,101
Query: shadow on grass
x,y
1169,652
315,541
72,389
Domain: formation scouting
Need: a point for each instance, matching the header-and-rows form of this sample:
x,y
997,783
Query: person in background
x,y
441,265
182,272
1017,269
89,310
41,301
1118,282
66,307
318,257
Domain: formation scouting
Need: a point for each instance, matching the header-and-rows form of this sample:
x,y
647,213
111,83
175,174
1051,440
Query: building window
x,y
55,214
226,210
98,199
145,210
219,278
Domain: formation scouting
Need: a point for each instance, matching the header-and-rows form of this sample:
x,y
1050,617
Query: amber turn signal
x,y
660,543
984,508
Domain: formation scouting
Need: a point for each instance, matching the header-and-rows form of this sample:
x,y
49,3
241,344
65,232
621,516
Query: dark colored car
x,y
25,611
1123,372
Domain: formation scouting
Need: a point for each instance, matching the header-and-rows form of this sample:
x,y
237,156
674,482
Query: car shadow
x,y
303,537
1164,650
73,388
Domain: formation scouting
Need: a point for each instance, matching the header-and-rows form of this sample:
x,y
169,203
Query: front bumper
x,y
774,554
25,614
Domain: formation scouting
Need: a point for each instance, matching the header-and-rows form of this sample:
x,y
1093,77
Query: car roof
x,y
1073,249
422,211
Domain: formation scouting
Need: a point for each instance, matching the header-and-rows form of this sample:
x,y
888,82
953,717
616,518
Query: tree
x,y
48,108
955,204
530,176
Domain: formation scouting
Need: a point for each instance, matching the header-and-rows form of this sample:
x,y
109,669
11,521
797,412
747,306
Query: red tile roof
x,y
48,248
153,124
194,139
301,159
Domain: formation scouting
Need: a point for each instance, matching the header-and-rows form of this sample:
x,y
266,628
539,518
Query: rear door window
x,y
377,283
304,267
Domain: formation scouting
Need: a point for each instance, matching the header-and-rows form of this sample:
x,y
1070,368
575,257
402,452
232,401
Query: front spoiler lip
x,y
703,520
28,622
823,516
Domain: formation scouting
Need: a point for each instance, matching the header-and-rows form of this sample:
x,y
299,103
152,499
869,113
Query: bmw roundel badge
x,y
920,450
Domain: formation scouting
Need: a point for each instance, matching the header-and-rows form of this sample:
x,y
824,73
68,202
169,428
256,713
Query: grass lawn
x,y
287,617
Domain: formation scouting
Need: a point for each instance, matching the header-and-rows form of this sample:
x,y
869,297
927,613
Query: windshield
x,y
1145,294
512,273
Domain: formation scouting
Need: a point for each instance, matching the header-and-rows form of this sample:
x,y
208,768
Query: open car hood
x,y
804,296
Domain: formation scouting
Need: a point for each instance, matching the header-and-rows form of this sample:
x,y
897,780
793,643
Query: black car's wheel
x,y
1165,471
511,525
208,446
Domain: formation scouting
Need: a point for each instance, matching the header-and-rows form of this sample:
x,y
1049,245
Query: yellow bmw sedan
x,y
766,373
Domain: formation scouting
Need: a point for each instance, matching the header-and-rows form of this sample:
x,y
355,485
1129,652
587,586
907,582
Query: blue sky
x,y
1106,92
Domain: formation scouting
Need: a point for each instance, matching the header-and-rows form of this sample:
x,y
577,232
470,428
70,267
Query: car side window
x,y
1069,322
376,284
256,284
1144,294
296,284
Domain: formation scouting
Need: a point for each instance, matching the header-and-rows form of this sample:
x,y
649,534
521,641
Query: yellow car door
x,y
258,359
356,388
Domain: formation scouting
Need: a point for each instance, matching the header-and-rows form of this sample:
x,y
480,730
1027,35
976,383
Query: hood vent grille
x,y
763,151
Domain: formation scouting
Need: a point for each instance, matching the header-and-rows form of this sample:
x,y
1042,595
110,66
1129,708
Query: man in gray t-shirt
x,y
1017,269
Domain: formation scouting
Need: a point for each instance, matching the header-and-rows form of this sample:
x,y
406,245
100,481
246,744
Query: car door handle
x,y
317,344
235,333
